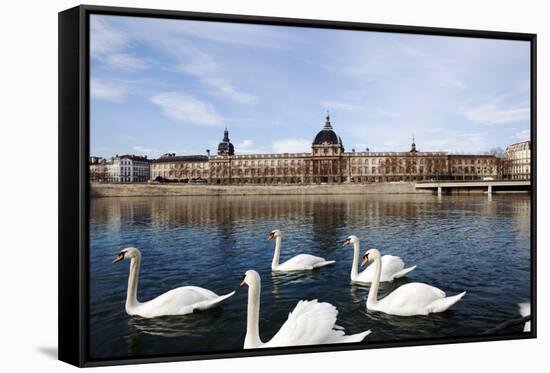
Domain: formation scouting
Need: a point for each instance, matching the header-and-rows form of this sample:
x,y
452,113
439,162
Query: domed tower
x,y
413,147
327,139
225,147
328,151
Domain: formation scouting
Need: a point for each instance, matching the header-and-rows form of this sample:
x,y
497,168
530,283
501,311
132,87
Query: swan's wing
x,y
390,266
179,301
301,261
309,323
410,299
524,309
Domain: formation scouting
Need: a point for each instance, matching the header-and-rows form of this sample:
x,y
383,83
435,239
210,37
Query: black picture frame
x,y
74,189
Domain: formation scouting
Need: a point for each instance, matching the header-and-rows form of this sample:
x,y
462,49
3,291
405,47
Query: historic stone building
x,y
180,167
120,169
327,162
472,167
516,161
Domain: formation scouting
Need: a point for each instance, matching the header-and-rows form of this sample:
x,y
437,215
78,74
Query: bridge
x,y
490,186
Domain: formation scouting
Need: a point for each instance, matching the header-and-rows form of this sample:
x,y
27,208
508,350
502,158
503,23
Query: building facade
x,y
516,161
120,169
180,168
473,167
328,162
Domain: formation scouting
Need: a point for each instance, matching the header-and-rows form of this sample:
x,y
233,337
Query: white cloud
x,y
291,146
126,61
340,106
209,72
107,90
143,150
523,135
493,114
247,147
105,39
107,45
186,108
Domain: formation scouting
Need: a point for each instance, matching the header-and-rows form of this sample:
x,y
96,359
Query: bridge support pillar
x,y
439,191
489,189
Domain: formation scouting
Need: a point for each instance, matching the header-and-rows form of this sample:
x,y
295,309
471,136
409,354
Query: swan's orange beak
x,y
118,258
346,242
365,260
242,281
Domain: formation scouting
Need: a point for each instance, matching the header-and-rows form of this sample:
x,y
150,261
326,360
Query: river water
x,y
457,242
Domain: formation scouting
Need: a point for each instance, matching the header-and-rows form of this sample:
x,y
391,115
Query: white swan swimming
x,y
300,262
310,323
179,301
411,299
392,266
525,310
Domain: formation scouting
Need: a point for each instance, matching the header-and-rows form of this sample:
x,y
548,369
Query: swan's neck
x,y
355,265
277,253
372,299
252,338
131,296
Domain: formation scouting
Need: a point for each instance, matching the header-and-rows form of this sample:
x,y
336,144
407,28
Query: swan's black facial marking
x,y
346,242
271,235
242,280
119,257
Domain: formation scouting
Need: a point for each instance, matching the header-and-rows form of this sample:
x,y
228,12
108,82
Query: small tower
x,y
225,147
413,147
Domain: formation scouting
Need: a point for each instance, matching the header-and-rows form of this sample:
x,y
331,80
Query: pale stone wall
x,y
135,190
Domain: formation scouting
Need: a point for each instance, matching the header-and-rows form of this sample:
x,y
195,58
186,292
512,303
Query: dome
x,y
326,135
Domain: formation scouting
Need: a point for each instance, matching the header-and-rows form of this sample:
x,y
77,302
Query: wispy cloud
x,y
247,147
523,135
187,109
291,145
104,38
144,150
204,67
127,61
107,90
345,106
495,114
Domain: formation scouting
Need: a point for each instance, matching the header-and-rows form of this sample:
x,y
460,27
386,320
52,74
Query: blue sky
x,y
161,86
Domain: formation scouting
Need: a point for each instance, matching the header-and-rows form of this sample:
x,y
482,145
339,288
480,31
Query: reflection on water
x,y
457,242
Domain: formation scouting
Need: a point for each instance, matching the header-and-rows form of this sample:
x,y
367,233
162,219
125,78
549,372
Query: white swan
x,y
179,301
300,262
392,266
310,323
411,299
525,310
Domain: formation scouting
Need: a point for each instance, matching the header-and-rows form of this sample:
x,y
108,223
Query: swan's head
x,y
274,233
370,256
351,240
127,253
251,277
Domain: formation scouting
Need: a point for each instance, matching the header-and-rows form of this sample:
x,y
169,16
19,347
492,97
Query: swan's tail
x,y
444,304
325,263
404,272
525,310
213,302
339,337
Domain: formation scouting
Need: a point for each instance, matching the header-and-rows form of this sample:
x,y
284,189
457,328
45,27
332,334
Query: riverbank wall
x,y
98,190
